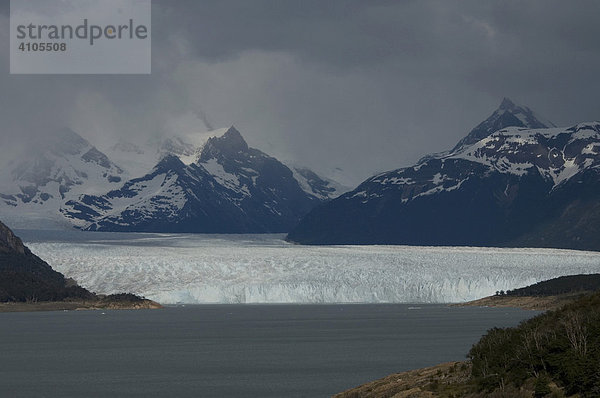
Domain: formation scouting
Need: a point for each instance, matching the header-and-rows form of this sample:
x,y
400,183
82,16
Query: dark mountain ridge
x,y
517,186
26,277
28,283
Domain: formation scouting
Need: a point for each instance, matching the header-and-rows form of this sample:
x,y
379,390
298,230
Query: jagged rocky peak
x,y
9,242
524,114
507,104
233,138
231,142
169,162
508,114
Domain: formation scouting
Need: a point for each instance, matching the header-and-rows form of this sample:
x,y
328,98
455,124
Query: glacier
x,y
196,268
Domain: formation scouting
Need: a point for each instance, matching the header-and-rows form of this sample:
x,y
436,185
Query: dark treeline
x,y
561,285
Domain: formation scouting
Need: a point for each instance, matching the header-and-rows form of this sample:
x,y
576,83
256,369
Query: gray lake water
x,y
231,350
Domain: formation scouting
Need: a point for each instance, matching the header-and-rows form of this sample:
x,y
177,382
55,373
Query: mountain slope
x,y
231,188
26,277
314,185
517,186
28,283
60,166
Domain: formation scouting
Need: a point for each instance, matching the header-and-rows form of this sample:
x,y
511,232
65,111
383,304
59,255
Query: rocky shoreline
x,y
417,383
536,303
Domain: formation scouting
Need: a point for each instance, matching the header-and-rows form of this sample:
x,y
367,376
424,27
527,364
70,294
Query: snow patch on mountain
x,y
558,154
228,180
317,186
58,168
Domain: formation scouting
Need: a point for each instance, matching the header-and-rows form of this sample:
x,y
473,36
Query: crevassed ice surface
x,y
265,269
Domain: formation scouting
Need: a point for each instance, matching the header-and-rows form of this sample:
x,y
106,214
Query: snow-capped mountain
x,y
181,183
229,188
60,166
140,157
508,114
520,185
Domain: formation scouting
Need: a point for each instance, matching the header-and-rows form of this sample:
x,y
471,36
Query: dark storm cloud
x,y
344,33
362,85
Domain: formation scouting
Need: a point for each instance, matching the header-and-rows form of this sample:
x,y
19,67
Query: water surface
x,y
231,350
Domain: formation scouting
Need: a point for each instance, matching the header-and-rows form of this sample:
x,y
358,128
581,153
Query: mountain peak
x,y
233,138
508,114
230,143
507,104
169,162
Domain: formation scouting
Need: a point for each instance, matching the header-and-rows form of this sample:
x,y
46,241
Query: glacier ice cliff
x,y
173,269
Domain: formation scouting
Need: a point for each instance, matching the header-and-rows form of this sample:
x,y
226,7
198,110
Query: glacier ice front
x,y
173,269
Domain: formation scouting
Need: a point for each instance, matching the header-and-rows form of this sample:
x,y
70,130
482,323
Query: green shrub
x,y
562,344
542,387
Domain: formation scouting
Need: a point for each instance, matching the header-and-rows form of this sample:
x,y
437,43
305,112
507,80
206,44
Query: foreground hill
x,y
26,278
561,346
508,183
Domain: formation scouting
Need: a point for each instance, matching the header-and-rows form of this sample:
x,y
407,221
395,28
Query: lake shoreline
x,y
530,303
536,303
77,306
452,379
421,382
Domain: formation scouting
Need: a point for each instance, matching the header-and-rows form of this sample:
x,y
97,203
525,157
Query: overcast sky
x,y
365,86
